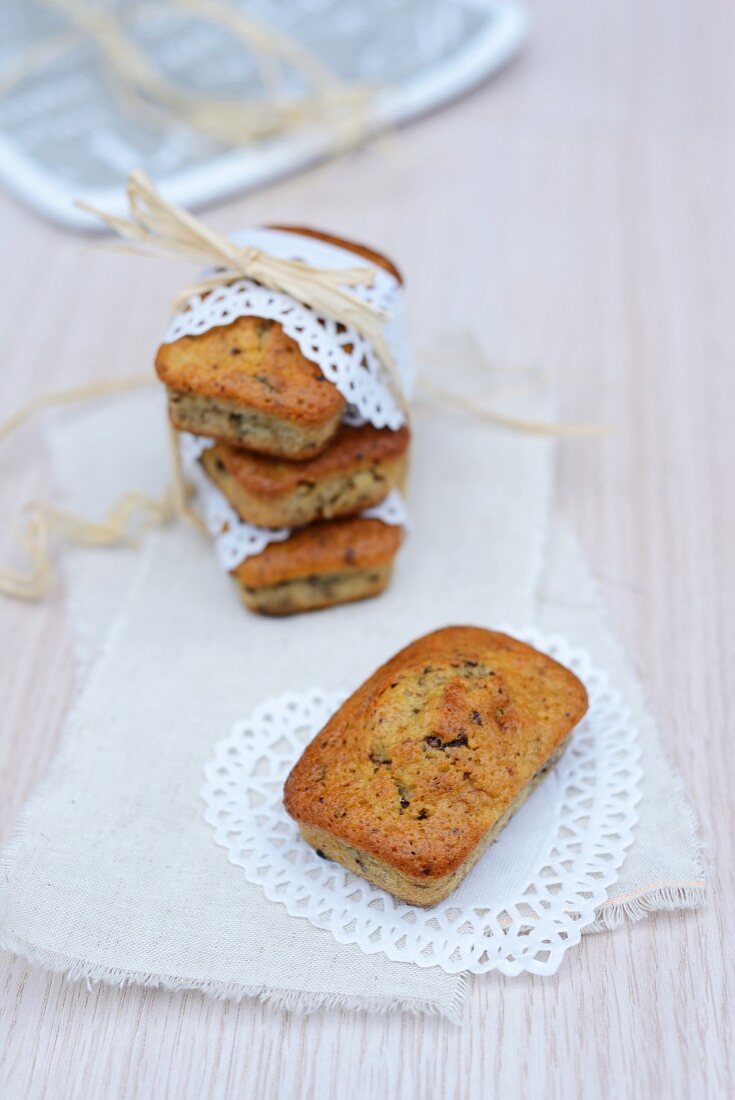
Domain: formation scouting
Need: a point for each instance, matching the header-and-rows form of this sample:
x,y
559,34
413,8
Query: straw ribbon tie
x,y
156,226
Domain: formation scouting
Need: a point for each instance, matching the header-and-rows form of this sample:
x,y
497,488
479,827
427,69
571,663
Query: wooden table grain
x,y
579,212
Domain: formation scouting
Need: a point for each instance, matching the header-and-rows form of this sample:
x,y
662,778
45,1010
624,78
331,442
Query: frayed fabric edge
x,y
298,1001
610,916
664,899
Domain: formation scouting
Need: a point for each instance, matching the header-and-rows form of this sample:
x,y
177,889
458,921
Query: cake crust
x,y
324,547
249,384
321,565
423,765
250,362
317,591
356,471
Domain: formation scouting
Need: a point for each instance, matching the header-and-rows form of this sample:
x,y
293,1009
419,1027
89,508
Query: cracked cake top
x,y
425,757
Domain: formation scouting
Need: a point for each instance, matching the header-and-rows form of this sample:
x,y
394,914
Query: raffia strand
x,y
146,90
133,514
515,423
71,396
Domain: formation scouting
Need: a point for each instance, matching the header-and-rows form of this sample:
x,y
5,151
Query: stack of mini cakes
x,y
313,491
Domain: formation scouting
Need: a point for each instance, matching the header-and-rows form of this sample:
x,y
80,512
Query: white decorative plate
x,y
64,134
528,898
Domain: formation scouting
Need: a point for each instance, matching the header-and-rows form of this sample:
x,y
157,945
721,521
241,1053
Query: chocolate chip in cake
x,y
459,742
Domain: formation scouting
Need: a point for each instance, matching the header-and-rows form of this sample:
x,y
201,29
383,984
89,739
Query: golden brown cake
x,y
321,565
248,383
356,471
420,769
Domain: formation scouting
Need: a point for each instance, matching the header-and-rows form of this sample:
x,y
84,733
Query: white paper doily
x,y
235,540
524,903
343,355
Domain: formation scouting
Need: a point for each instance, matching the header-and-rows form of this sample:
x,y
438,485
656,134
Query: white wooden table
x,y
580,213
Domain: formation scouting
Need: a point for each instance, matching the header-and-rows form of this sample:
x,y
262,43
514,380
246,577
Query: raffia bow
x,y
157,226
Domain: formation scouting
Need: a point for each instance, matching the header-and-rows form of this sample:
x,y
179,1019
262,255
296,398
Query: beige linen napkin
x,y
112,874
663,869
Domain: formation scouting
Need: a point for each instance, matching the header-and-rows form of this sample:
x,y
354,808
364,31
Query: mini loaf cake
x,y
327,563
356,471
420,769
248,383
